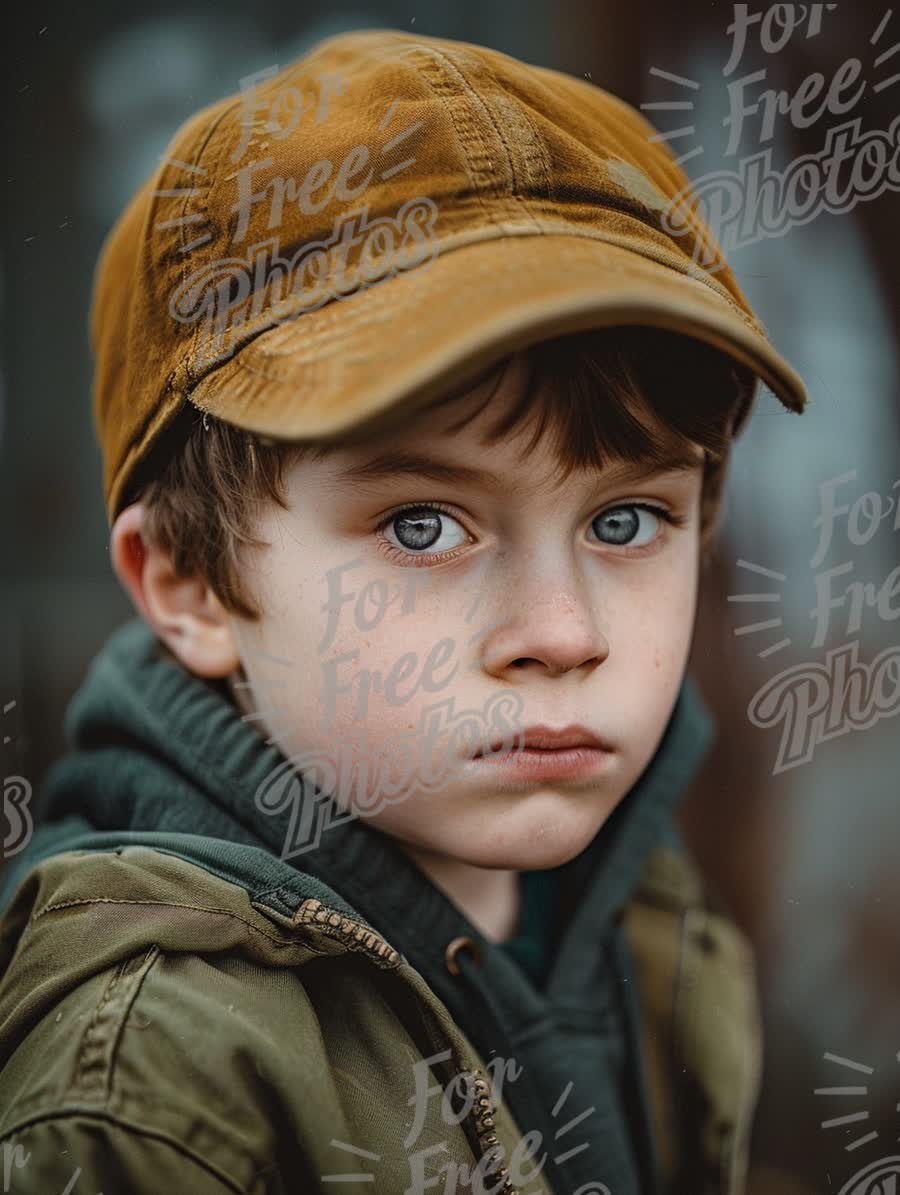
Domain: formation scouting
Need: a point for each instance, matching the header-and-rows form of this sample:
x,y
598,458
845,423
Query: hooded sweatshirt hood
x,y
163,758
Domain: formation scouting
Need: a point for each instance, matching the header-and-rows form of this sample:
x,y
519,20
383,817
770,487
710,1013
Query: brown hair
x,y
202,501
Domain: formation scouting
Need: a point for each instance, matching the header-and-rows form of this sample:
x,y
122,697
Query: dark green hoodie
x,y
162,758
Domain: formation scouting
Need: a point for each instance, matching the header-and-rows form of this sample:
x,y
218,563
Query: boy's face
x,y
518,601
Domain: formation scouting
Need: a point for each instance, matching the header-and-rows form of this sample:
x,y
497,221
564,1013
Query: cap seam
x,y
463,136
477,100
184,361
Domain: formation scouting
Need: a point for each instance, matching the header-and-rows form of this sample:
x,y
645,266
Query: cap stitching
x,y
478,100
183,365
535,150
467,130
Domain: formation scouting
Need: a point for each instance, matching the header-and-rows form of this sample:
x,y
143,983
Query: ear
x,y
183,611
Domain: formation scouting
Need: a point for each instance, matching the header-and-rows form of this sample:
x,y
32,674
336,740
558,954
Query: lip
x,y
547,740
515,768
544,753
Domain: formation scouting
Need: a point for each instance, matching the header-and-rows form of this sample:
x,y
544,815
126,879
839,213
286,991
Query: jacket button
x,y
456,945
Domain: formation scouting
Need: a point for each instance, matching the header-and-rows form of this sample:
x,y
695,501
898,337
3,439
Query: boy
x,y
415,384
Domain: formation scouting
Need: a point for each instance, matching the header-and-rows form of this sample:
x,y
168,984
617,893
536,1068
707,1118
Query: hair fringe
x,y
592,392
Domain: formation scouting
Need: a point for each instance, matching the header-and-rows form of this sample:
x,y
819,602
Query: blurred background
x,y
802,851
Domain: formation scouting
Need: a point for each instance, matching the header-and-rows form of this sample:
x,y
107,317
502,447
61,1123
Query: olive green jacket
x,y
183,1008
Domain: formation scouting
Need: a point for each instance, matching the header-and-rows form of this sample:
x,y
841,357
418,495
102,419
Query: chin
x,y
551,845
541,856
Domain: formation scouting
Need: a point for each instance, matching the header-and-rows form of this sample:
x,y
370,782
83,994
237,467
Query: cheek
x,y
344,650
325,682
280,658
652,632
365,715
380,683
662,605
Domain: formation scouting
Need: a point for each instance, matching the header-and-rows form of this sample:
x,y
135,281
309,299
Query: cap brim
x,y
408,338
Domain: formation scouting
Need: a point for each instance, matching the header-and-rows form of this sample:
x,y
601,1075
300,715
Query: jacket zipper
x,y
356,935
482,1118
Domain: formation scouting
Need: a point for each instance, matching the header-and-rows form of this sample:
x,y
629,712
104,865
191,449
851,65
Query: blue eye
x,y
429,530
419,528
619,525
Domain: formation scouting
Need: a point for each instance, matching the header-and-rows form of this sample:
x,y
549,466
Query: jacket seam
x,y
736,1147
95,1060
125,1126
164,904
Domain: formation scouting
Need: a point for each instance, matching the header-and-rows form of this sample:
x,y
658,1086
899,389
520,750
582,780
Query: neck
x,y
488,897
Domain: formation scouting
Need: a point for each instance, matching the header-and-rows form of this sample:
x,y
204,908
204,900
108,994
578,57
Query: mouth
x,y
543,740
543,755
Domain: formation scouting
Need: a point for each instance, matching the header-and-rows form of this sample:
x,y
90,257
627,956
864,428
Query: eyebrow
x,y
395,463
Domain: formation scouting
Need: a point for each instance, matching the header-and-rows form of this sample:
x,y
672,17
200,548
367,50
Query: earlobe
x,y
205,646
182,611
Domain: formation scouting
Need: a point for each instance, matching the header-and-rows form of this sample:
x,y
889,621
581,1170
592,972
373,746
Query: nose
x,y
553,636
